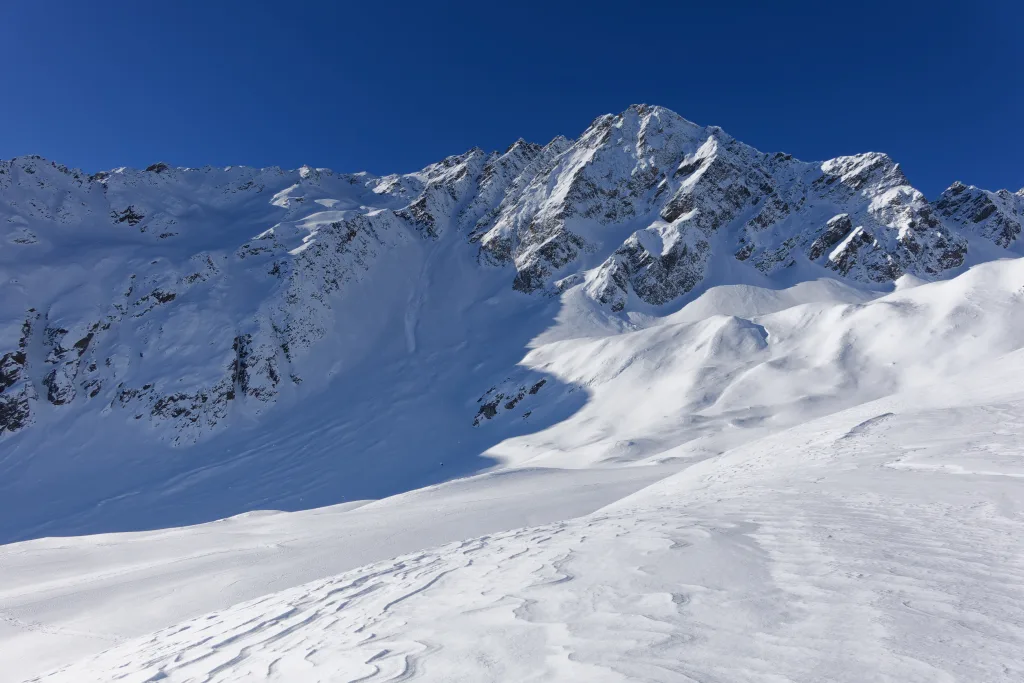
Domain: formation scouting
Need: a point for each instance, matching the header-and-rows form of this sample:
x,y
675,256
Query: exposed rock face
x,y
683,193
15,389
860,250
656,265
996,216
506,397
176,297
837,228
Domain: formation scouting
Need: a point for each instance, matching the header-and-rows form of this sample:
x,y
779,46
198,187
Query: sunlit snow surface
x,y
835,494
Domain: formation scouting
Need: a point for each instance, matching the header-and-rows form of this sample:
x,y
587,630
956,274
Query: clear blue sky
x,y
391,86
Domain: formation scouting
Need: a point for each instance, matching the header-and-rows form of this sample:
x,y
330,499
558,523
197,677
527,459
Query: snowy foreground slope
x,y
880,543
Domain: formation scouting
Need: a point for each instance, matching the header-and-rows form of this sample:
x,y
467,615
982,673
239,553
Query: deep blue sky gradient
x,y
391,86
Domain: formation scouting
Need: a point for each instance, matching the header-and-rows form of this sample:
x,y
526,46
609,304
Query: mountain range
x,y
175,298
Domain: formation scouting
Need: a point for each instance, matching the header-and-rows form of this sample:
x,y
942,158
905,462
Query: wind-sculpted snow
x,y
178,298
880,543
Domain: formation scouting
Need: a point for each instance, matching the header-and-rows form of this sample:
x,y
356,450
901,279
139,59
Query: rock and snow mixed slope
x,y
183,345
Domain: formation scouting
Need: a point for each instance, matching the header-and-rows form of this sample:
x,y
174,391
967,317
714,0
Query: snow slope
x,y
683,387
801,546
879,543
64,598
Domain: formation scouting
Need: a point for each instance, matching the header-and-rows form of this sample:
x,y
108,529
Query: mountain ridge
x,y
177,296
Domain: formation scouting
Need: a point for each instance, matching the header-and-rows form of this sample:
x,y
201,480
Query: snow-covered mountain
x,y
705,413
175,298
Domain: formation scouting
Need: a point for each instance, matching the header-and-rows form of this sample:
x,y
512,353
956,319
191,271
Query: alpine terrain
x,y
645,405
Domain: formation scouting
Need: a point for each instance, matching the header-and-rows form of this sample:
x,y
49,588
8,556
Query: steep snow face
x,y
179,300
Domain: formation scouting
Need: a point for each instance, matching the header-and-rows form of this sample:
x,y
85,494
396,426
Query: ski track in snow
x,y
801,557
